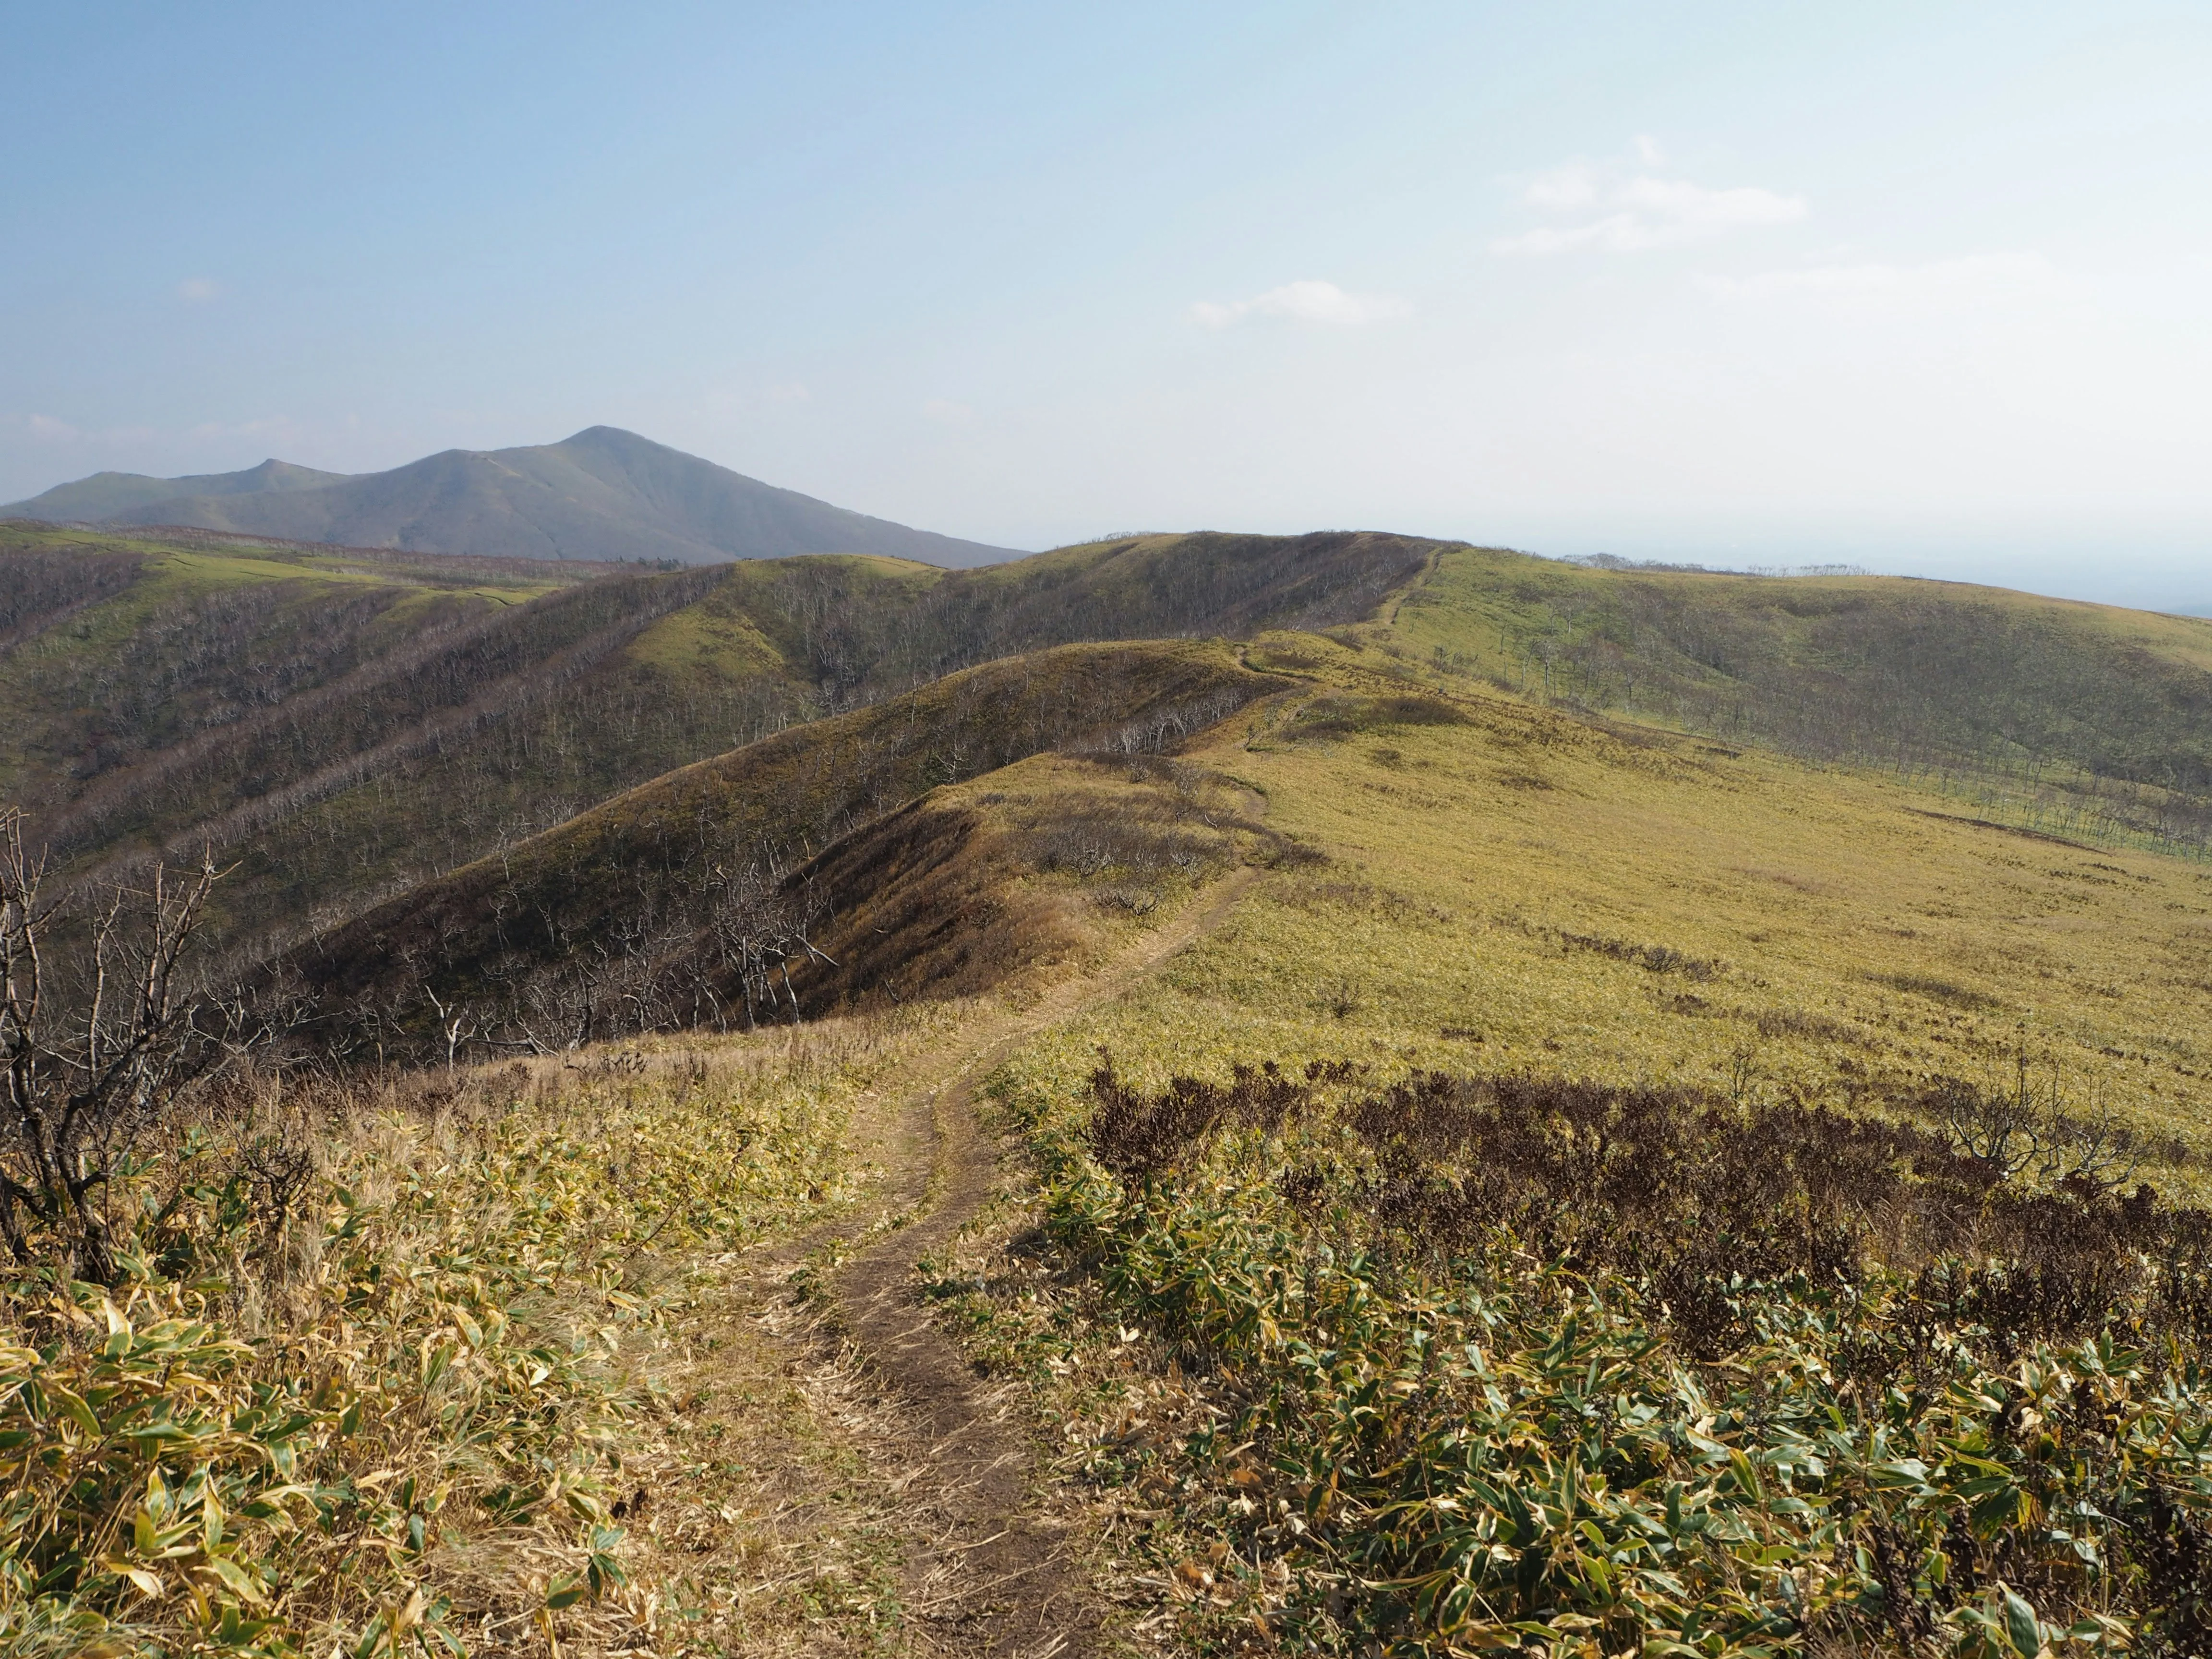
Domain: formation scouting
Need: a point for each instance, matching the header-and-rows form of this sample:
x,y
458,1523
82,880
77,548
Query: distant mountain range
x,y
604,493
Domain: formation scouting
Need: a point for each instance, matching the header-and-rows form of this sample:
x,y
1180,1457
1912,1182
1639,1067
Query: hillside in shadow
x,y
343,726
695,899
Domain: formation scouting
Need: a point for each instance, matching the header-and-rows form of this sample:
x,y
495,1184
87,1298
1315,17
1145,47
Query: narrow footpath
x,y
994,1577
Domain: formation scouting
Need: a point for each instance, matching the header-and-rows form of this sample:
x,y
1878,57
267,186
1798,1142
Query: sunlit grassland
x,y
462,1375
1525,890
1491,606
707,637
723,634
2082,719
1342,1375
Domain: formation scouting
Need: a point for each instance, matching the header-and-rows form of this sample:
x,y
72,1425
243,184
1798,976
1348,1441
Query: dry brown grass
x,y
509,1302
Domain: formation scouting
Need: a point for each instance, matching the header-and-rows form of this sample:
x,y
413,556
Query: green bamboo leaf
x,y
238,1579
2022,1626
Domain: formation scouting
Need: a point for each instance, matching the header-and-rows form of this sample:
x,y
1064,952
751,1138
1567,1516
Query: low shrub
x,y
1652,958
1343,716
1513,1362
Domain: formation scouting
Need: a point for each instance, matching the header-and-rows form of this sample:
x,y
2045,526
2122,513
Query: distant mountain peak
x,y
602,493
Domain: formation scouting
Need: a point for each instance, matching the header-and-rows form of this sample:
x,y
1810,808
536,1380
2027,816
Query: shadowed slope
x,y
670,904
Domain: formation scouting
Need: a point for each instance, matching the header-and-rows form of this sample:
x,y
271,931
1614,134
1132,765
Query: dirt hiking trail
x,y
993,1578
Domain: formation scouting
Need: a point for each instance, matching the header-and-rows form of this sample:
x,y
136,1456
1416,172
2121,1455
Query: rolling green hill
x,y
603,493
346,724
2079,719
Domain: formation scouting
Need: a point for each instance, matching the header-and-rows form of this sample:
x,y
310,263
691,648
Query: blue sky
x,y
1922,287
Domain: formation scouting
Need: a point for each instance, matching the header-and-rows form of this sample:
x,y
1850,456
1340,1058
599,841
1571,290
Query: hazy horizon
x,y
1917,288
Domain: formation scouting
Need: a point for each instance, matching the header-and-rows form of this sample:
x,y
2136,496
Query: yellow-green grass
x,y
2081,718
1526,891
713,637
1470,594
480,1342
1514,889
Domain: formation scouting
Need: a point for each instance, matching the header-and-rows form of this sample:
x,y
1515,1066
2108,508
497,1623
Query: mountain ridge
x,y
108,497
602,494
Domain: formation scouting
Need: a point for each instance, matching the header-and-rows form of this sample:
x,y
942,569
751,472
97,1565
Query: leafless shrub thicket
x,y
2031,1131
45,587
1652,958
100,1038
1697,1196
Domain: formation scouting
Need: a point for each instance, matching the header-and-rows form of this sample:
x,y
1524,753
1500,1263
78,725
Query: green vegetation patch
x,y
2084,720
1516,1363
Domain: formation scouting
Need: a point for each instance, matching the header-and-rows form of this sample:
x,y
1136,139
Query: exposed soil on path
x,y
995,1578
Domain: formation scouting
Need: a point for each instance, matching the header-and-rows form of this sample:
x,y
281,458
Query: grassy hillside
x,y
2078,719
1595,1207
353,722
347,724
1558,1210
1511,888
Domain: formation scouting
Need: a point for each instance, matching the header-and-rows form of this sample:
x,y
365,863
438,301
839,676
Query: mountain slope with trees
x,y
692,900
344,725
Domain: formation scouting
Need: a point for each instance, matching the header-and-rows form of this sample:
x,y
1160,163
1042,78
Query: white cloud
x,y
198,291
1973,280
1635,209
1304,302
946,412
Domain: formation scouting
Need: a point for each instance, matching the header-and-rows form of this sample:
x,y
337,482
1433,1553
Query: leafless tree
x,y
96,1048
2026,1130
759,929
457,1025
